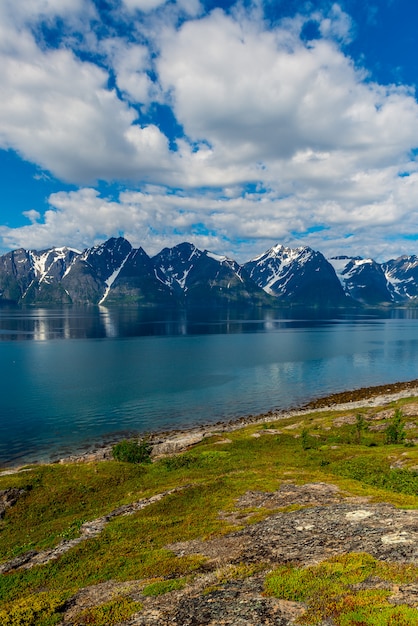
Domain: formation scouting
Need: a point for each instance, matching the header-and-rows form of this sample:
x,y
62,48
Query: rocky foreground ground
x,y
331,524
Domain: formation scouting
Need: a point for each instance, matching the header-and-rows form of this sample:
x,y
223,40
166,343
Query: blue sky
x,y
233,125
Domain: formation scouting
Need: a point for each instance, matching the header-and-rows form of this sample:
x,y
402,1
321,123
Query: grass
x,y
334,589
59,498
108,613
378,472
41,608
161,587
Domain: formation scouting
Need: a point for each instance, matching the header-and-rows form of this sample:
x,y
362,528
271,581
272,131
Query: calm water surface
x,y
72,378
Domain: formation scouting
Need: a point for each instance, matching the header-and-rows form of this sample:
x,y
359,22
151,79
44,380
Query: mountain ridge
x,y
114,272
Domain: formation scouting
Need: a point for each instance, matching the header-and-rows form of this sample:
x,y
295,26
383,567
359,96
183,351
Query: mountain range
x,y
116,273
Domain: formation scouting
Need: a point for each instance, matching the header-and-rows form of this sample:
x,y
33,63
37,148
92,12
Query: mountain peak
x,y
115,272
298,274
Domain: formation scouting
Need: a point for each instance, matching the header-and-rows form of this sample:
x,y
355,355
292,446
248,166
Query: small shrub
x,y
132,451
308,442
395,432
361,426
305,439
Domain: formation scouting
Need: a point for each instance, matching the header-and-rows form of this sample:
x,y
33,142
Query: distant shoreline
x,y
179,439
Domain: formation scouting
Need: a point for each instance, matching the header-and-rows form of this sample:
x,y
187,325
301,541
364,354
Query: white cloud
x,y
257,95
143,5
336,25
32,215
57,111
130,63
238,225
190,7
36,8
18,14
322,143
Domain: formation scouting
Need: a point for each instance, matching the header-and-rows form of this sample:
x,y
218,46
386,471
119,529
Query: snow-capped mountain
x,y
372,283
297,275
363,279
200,276
114,272
136,282
402,275
26,276
173,265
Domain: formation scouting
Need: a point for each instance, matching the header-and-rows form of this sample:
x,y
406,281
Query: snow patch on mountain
x,y
109,282
44,261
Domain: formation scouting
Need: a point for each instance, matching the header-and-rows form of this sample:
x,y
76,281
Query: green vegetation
x,y
361,426
37,608
307,441
164,586
109,613
334,589
395,432
339,448
132,451
377,472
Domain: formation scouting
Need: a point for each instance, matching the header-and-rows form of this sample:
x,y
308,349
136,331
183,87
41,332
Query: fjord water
x,y
73,378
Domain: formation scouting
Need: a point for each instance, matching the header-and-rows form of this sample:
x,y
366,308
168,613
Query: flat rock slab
x,y
239,603
311,535
314,534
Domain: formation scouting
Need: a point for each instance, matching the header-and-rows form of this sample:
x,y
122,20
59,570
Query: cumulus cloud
x,y
190,7
238,224
277,139
336,25
261,95
130,63
30,12
143,5
49,8
32,215
58,112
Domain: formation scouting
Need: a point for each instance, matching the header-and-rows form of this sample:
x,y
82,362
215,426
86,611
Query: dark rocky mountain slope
x,y
116,273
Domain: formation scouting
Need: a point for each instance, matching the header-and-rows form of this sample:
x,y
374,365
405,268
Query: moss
x,y
161,587
41,609
109,613
328,590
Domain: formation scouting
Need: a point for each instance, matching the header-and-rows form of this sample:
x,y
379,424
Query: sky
x,y
233,125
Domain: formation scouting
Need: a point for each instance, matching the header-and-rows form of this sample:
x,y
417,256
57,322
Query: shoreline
x,y
177,440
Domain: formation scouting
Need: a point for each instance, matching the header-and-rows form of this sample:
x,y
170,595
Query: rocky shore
x,y
172,442
175,441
